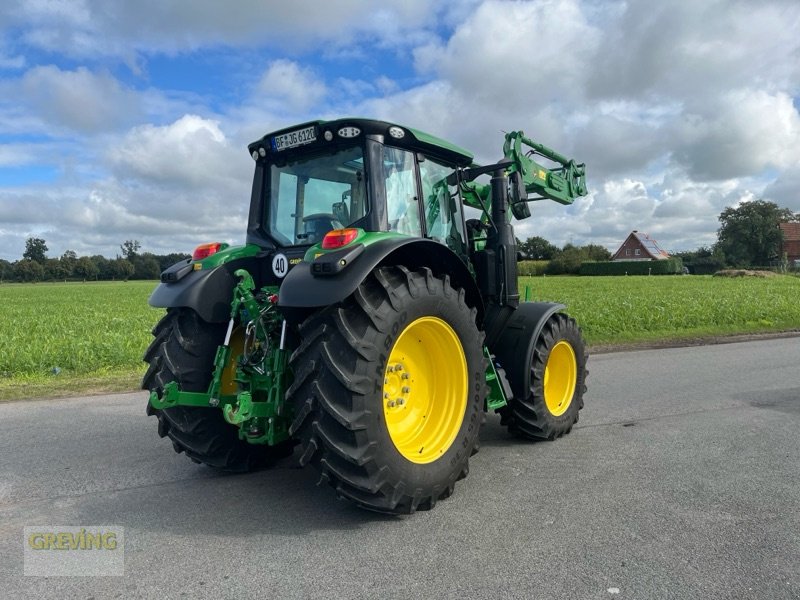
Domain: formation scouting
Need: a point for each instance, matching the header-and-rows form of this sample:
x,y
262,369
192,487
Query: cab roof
x,y
393,134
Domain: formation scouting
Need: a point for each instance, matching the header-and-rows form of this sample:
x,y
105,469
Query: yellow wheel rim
x,y
425,389
560,378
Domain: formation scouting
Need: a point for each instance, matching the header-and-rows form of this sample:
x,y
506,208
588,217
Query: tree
x,y
146,267
121,268
68,260
104,266
749,234
35,250
6,270
86,268
167,260
596,252
55,269
28,270
537,248
130,248
567,261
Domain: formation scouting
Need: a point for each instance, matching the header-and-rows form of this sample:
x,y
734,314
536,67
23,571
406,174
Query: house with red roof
x,y
791,241
639,246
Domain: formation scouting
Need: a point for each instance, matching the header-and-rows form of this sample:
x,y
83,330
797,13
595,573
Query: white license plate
x,y
294,138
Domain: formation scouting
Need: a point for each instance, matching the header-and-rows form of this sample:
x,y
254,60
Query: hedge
x,y
669,266
532,267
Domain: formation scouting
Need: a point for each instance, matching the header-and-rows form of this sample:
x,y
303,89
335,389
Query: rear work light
x,y
205,250
336,238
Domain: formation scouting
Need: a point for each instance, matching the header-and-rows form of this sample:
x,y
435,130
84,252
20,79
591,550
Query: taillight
x,y
205,250
336,238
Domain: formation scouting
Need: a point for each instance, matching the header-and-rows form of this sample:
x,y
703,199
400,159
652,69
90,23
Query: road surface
x,y
681,480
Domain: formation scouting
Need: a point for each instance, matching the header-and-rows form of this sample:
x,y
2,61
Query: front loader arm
x,y
562,183
529,179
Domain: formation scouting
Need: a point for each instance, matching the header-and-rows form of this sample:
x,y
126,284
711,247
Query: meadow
x,y
64,338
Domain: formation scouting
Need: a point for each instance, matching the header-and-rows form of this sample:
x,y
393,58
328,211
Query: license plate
x,y
294,138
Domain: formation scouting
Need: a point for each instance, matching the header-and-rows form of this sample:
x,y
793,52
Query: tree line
x,y
749,236
541,256
35,265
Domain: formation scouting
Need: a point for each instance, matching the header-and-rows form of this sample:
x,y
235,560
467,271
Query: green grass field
x,y
614,310
94,334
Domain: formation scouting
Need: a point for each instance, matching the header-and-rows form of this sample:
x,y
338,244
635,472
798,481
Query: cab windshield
x,y
311,196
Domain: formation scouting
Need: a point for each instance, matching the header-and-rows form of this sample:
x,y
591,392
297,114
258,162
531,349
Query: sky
x,y
130,120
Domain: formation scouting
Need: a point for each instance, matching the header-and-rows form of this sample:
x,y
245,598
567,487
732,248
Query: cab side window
x,y
443,217
402,200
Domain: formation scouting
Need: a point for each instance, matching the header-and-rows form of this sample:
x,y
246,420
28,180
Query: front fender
x,y
515,342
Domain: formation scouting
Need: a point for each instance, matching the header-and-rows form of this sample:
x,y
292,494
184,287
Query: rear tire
x,y
388,391
183,351
558,382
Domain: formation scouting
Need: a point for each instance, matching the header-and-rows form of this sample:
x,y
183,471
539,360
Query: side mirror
x,y
341,212
519,197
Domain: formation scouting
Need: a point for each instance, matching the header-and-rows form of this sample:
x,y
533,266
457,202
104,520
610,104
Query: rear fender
x,y
208,293
306,288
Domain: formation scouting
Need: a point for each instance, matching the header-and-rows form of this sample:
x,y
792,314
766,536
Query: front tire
x,y
558,382
183,351
389,390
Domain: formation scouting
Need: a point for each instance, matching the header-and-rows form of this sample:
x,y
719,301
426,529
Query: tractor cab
x,y
355,173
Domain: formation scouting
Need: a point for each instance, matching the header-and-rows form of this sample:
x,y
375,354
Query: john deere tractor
x,y
371,319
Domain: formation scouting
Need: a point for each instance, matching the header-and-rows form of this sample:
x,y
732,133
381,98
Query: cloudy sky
x,y
129,120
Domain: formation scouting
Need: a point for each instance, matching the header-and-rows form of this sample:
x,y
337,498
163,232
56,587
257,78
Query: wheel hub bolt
x,y
386,395
400,402
390,404
406,390
399,367
405,376
390,369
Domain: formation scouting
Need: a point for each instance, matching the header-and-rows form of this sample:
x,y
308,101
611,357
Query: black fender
x,y
208,292
304,288
511,337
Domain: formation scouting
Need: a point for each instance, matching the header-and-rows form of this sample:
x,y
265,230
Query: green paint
x,y
367,238
257,408
227,254
427,138
496,398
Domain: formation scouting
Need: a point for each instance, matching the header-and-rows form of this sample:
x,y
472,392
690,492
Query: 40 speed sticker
x,y
280,265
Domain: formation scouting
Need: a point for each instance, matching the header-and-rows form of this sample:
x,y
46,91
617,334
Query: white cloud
x,y
89,27
679,109
12,62
739,134
512,55
79,100
785,190
183,152
15,155
689,49
285,84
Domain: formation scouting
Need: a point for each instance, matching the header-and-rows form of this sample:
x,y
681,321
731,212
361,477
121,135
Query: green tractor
x,y
369,319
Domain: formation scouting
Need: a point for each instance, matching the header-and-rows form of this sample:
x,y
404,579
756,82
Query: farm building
x,y
791,241
639,246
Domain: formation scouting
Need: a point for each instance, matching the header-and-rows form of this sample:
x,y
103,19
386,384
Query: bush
x,y
707,265
669,266
527,268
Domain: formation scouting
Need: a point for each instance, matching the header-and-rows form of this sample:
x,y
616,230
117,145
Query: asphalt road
x,y
682,480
